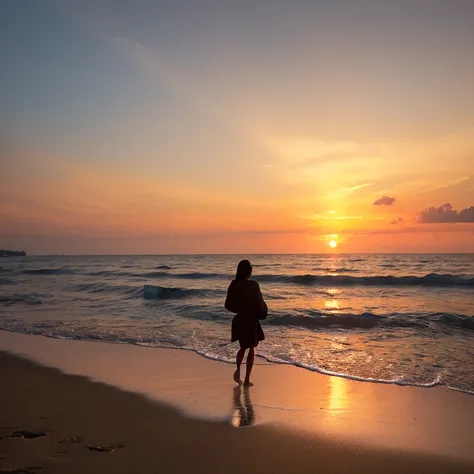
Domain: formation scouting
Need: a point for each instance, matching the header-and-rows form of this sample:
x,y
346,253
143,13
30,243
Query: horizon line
x,y
232,254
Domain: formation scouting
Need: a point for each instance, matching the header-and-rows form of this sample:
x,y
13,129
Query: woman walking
x,y
245,298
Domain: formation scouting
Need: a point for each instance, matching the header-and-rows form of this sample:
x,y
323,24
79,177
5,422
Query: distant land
x,y
12,253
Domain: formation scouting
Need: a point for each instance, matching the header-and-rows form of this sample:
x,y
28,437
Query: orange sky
x,y
198,140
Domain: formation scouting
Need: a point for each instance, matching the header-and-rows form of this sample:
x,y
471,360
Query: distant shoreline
x,y
12,253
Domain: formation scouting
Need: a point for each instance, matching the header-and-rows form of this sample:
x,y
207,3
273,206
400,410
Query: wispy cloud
x,y
155,65
308,150
443,185
161,69
331,217
414,229
346,191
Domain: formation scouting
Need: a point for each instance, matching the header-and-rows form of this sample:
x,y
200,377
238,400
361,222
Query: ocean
x,y
392,318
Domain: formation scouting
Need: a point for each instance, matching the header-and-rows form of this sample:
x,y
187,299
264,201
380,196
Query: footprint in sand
x,y
72,440
28,434
105,449
26,470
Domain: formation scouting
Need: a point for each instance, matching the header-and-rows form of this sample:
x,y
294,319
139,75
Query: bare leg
x,y
250,359
239,359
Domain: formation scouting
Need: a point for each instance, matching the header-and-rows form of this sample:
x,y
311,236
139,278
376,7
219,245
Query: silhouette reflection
x,y
243,413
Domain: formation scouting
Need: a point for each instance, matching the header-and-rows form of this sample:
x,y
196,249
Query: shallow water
x,y
406,319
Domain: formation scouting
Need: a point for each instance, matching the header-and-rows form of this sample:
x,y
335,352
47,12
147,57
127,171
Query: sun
x,y
332,244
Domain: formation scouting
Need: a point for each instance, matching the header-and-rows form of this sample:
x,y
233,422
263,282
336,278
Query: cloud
x,y
417,229
396,221
346,191
308,150
384,201
446,214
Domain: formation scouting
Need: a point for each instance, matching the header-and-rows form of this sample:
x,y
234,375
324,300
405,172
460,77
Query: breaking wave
x,y
20,299
49,271
429,280
316,320
152,292
432,279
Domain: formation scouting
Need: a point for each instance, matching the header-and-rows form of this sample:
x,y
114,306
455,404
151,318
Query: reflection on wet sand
x,y
337,399
243,413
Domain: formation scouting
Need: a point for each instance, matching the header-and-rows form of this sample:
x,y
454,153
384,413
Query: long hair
x,y
244,270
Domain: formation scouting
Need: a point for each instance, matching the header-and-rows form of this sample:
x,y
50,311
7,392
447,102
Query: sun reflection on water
x,y
331,304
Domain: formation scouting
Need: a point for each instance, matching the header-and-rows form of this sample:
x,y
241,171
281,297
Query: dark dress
x,y
245,298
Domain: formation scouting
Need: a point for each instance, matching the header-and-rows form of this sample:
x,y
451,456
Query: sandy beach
x,y
118,408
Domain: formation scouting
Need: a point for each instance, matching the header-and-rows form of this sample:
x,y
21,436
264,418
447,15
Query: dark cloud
x,y
446,214
396,221
384,201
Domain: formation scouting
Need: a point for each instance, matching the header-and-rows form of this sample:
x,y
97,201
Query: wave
x,y
49,271
336,270
151,292
147,275
461,321
202,312
162,274
20,299
317,320
101,288
257,265
196,275
406,383
147,291
432,279
429,280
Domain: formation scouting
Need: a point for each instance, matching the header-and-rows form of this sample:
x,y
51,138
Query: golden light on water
x,y
332,244
331,304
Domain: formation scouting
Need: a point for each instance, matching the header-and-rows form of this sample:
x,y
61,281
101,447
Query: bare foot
x,y
248,383
237,377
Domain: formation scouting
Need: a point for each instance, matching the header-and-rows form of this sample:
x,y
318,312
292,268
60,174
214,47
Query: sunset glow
x,y
142,134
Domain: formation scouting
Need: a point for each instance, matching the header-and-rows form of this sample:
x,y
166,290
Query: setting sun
x,y
332,244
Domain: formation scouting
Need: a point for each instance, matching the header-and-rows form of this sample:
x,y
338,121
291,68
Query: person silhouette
x,y
245,299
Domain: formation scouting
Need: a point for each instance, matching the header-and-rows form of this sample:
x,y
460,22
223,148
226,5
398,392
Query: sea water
x,y
398,318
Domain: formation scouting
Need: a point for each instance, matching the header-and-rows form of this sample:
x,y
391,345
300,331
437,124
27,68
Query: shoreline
x,y
385,416
260,359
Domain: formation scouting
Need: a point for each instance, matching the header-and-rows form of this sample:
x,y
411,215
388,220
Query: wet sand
x,y
59,423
